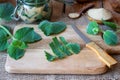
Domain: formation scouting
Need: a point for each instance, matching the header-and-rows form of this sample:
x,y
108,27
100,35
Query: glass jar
x,y
32,10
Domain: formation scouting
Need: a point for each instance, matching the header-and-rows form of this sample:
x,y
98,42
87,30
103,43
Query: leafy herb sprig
x,y
16,48
109,36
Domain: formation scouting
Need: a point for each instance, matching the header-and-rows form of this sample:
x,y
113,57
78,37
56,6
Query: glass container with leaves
x,y
32,10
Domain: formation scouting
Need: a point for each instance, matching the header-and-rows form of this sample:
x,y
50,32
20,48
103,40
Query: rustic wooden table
x,y
112,74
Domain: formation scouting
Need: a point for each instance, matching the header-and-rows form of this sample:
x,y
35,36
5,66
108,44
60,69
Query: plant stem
x,y
7,32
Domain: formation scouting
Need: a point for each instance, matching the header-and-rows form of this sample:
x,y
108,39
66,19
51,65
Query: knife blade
x,y
103,56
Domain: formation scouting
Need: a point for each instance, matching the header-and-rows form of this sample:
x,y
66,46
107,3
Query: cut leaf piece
x,y
56,51
49,56
93,28
50,28
27,34
73,47
110,37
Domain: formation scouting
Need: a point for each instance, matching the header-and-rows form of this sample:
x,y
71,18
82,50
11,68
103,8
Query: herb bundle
x,y
16,48
109,36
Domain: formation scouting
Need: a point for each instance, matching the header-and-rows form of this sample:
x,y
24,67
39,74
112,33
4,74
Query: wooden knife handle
x,y
107,59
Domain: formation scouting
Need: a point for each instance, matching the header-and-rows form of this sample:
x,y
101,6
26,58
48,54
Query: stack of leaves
x,y
109,36
50,28
62,49
6,9
16,48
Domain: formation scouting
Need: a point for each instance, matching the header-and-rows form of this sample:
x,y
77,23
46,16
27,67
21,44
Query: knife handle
x,y
107,59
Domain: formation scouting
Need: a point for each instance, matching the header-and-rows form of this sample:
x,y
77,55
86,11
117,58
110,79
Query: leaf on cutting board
x,y
3,40
50,28
110,24
6,9
16,49
93,28
49,56
110,37
62,49
27,34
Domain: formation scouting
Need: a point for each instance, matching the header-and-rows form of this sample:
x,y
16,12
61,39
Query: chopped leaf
x,y
73,47
93,28
16,49
110,37
110,24
50,57
50,28
6,9
56,51
27,34
62,49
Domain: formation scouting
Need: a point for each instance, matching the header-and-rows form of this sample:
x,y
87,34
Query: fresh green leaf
x,y
50,28
27,34
16,49
3,40
110,37
73,47
6,9
49,56
110,24
93,28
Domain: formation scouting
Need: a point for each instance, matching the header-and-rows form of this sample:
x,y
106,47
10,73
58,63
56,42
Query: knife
x,y
107,59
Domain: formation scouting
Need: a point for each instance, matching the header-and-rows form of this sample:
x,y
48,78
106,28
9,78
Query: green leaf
x,y
27,34
16,49
93,28
50,28
49,56
6,9
3,40
74,47
110,37
110,24
58,53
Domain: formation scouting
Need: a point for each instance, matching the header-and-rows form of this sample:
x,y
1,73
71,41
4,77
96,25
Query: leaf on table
x,y
6,9
93,28
27,34
49,56
16,49
50,28
110,37
73,47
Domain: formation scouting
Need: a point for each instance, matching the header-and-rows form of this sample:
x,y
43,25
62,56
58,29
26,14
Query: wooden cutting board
x,y
34,61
